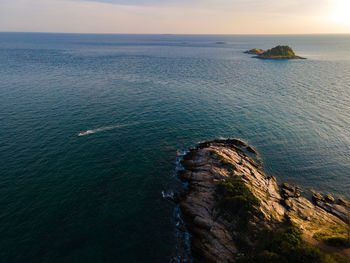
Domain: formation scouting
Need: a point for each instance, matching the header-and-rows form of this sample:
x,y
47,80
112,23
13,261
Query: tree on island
x,y
280,51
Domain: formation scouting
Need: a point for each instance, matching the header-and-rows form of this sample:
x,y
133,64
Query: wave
x,y
108,128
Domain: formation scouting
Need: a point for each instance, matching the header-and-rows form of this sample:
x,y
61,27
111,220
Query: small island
x,y
255,51
279,52
234,212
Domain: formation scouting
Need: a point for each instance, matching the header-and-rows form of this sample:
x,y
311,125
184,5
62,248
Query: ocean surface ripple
x,y
69,197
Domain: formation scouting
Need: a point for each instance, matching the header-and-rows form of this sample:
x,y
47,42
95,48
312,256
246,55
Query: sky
x,y
176,16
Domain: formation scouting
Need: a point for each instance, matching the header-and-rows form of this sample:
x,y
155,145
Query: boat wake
x,y
108,128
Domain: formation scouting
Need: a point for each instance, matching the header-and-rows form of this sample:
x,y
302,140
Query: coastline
x,y
216,233
265,57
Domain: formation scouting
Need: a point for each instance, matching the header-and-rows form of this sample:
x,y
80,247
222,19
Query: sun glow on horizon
x,y
340,12
176,17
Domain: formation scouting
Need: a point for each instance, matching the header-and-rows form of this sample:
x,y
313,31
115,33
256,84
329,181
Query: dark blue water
x,y
139,100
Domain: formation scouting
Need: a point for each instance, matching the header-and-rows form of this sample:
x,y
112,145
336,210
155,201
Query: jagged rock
x,y
317,197
286,193
252,150
273,178
288,203
287,186
344,202
289,191
329,199
340,211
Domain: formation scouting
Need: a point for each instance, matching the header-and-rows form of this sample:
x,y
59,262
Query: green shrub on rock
x,y
236,202
287,246
287,239
235,195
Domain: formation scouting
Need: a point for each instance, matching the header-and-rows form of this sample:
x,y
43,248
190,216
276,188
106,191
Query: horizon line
x,y
179,34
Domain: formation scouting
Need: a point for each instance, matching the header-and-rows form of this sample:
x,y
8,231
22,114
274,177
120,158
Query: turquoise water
x,y
138,101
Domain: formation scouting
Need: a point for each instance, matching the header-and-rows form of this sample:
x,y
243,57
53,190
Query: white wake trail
x,y
108,128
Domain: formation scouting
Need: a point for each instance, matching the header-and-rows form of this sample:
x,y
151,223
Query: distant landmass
x,y
278,52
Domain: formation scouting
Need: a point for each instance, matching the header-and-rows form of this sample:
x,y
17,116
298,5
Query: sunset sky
x,y
176,16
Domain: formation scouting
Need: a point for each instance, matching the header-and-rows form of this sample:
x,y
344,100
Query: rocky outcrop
x,y
254,51
328,203
214,238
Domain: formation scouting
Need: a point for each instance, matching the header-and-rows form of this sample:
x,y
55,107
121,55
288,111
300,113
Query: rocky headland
x,y
236,213
278,52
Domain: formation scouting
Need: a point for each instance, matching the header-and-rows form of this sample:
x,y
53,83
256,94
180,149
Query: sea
x,y
92,128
